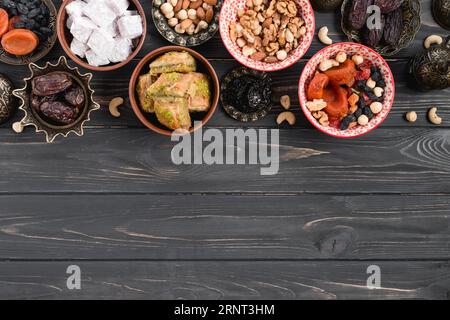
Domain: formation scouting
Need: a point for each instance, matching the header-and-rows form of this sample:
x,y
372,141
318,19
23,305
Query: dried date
x,y
372,37
59,112
358,13
74,96
393,28
387,6
36,101
51,84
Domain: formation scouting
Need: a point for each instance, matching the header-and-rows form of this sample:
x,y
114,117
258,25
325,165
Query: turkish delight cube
x,y
101,43
122,50
111,30
69,22
130,26
82,28
75,8
96,60
100,13
118,6
78,48
130,13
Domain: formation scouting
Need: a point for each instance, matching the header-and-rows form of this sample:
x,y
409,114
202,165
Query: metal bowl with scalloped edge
x,y
33,118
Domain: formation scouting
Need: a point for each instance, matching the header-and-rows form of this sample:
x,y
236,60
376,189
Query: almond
x,y
258,56
185,4
196,4
209,15
178,6
201,13
186,23
211,2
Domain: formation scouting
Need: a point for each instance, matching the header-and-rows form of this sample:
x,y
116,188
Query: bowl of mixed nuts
x,y
186,23
267,35
346,90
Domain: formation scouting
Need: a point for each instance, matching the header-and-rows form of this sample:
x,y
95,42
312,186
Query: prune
x,y
372,37
368,112
74,96
51,83
346,122
59,112
358,13
393,28
387,6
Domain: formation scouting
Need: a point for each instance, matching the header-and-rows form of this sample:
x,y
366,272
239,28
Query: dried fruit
x,y
358,13
387,6
51,83
75,96
372,37
393,28
59,112
20,42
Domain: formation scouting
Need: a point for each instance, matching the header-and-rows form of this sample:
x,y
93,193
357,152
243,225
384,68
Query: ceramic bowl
x,y
351,49
32,118
228,14
184,40
65,38
410,27
43,48
149,119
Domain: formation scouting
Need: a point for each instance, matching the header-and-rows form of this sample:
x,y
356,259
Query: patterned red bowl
x,y
228,14
351,49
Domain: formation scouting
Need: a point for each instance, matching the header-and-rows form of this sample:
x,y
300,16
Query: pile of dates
x,y
57,97
389,27
33,15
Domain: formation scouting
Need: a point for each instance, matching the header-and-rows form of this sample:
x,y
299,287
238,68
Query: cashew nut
x,y
285,102
114,105
411,116
328,64
286,116
323,36
434,39
172,22
316,105
433,117
17,127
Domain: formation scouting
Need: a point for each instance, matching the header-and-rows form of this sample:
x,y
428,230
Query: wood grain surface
x,y
141,227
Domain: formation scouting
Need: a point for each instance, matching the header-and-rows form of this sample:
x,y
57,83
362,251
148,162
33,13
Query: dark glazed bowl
x,y
441,13
184,40
32,118
149,119
43,48
65,38
411,25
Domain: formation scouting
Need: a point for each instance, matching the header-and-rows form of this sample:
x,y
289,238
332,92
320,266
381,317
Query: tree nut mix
x,y
268,30
188,16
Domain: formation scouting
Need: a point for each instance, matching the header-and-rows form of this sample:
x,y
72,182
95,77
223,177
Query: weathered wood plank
x,y
219,280
112,84
224,227
385,161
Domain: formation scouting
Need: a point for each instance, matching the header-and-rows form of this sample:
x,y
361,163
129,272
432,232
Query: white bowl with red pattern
x,y
228,14
350,49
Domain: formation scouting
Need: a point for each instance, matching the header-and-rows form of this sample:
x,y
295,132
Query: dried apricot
x,y
20,42
343,75
12,21
315,88
336,99
4,22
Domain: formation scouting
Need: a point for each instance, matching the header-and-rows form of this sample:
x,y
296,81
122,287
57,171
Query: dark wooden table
x,y
113,203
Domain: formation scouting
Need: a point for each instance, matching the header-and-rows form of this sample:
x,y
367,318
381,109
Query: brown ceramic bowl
x,y
149,119
65,38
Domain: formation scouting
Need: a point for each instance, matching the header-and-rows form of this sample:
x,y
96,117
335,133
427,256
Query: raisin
x,y
368,112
